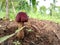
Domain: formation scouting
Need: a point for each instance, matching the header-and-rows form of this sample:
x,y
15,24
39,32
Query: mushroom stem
x,y
21,24
20,34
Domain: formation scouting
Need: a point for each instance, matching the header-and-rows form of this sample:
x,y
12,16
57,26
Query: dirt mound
x,y
43,32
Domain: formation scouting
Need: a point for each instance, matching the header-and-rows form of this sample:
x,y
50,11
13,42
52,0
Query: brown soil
x,y
43,32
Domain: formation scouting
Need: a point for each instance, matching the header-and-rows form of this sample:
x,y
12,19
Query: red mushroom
x,y
20,19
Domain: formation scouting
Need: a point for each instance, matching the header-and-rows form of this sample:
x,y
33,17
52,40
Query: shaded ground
x,y
43,32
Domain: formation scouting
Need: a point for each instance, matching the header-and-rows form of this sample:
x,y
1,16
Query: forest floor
x,y
44,32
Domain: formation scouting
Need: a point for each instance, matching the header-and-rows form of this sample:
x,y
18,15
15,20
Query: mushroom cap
x,y
21,17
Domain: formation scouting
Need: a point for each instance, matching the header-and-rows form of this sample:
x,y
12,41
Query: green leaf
x,y
2,39
29,30
17,43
